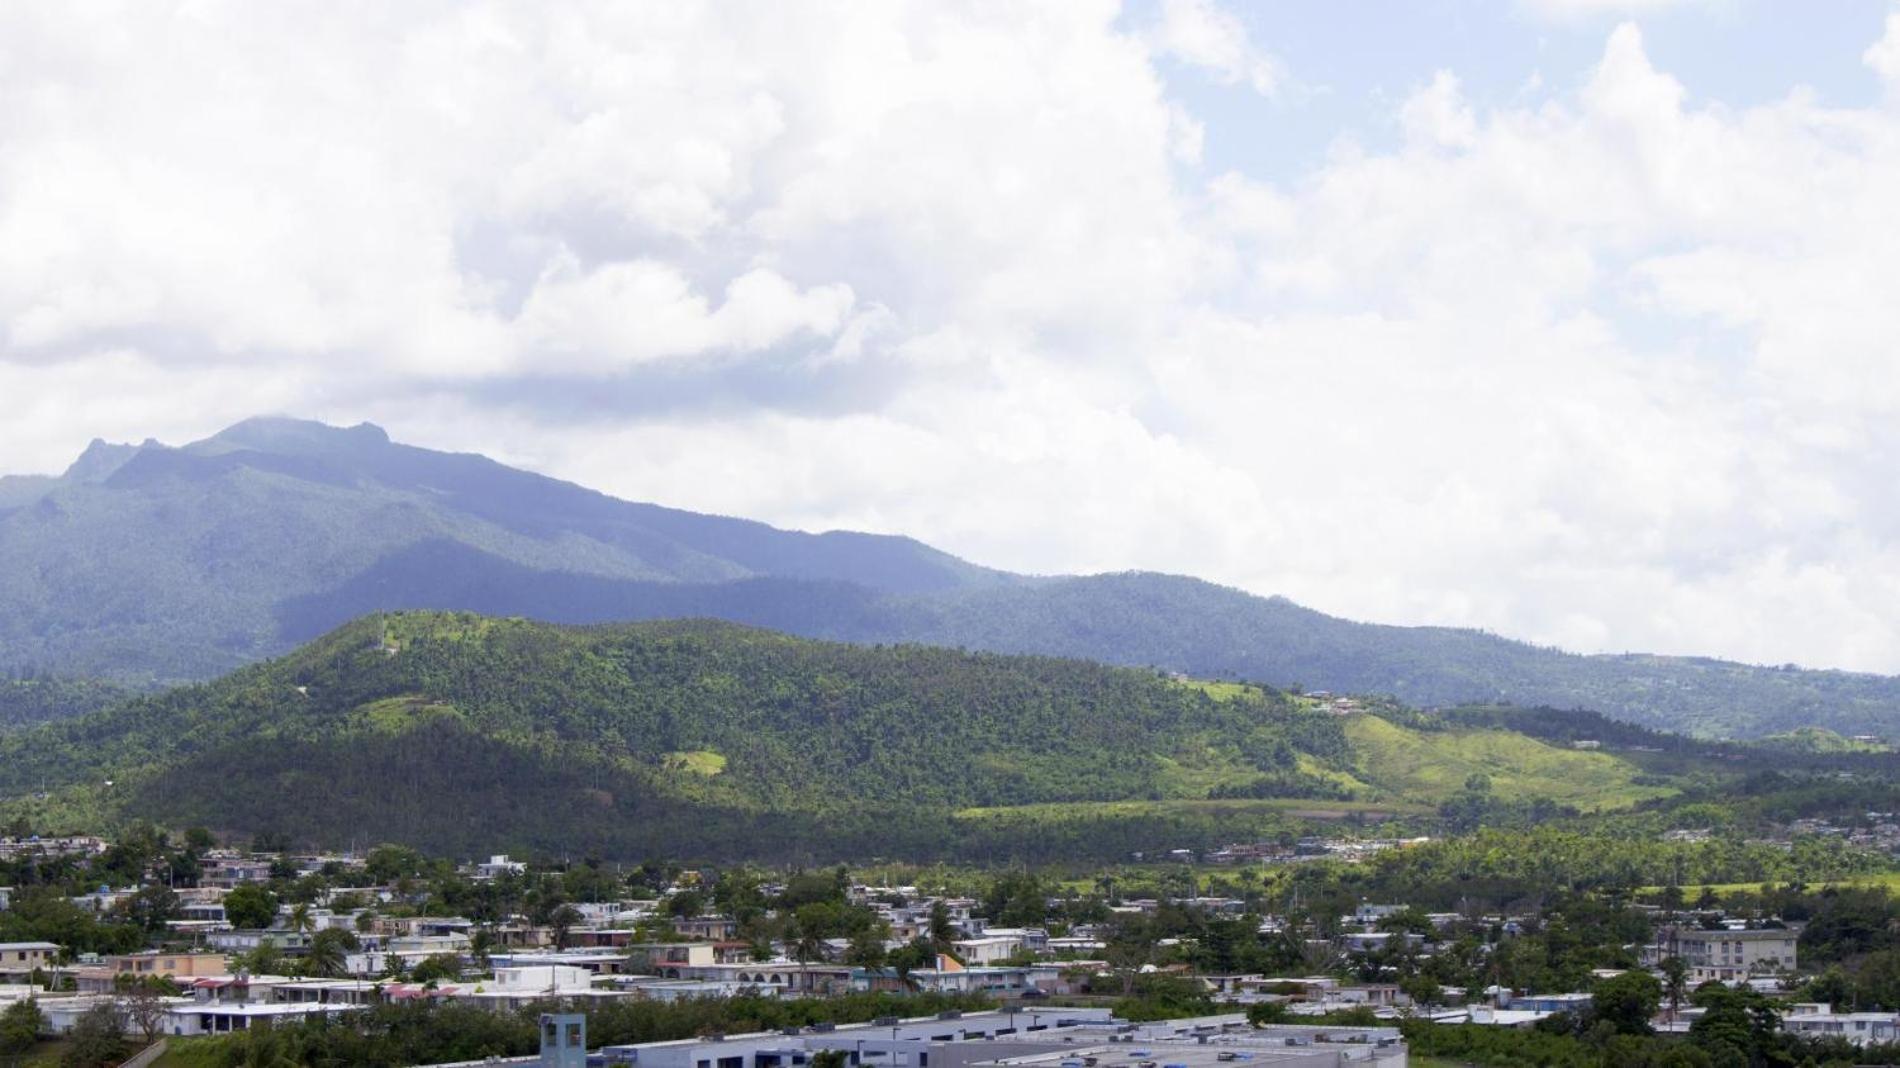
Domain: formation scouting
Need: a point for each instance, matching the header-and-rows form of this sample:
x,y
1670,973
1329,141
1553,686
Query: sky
x,y
1570,320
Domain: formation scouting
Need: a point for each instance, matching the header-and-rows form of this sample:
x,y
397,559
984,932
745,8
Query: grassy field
x,y
1292,806
698,761
1219,691
1430,766
1888,879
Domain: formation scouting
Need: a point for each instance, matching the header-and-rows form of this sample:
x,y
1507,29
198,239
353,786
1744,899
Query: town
x,y
187,946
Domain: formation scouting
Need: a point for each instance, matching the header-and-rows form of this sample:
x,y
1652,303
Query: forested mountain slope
x,y
146,564
27,701
155,563
1213,631
465,734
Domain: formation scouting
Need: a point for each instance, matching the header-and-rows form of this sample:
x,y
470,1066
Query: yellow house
x,y
171,965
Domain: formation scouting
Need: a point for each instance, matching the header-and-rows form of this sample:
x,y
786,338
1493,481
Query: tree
x,y
941,931
915,955
563,919
388,863
1627,1001
266,959
435,968
1675,984
808,945
685,905
866,949
300,920
142,998
1831,987
20,1026
1732,1029
1877,984
1129,949
97,1039
264,1045
152,907
250,907
1422,989
329,953
480,945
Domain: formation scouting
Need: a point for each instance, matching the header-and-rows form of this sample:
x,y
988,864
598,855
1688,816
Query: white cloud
x,y
1438,115
1609,366
1884,55
1198,33
632,312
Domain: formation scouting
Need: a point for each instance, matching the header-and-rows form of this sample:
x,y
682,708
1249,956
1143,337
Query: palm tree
x,y
328,956
480,944
806,947
300,920
942,934
907,960
1675,984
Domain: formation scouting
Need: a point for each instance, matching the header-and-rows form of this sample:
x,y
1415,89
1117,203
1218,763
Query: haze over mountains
x,y
148,564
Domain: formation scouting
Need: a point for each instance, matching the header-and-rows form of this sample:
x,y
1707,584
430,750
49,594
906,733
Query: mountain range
x,y
147,565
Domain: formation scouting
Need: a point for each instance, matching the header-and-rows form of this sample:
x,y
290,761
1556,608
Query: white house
x,y
1860,1028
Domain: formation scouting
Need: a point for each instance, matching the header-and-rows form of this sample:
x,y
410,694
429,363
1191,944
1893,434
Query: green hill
x,y
467,734
464,733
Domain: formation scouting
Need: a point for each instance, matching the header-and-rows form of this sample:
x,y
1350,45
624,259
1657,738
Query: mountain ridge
x,y
149,564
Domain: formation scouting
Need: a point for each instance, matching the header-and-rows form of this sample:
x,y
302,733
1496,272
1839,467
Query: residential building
x,y
989,949
1860,1028
1726,955
19,959
668,958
